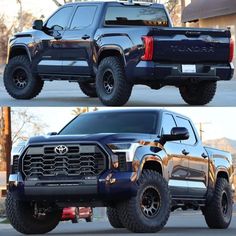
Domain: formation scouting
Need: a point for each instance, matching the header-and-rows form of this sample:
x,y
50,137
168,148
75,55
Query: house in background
x,y
211,14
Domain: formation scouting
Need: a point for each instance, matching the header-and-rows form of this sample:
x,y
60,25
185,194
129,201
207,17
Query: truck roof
x,y
130,110
121,3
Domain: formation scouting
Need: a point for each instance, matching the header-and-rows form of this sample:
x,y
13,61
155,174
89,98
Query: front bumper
x,y
171,74
107,187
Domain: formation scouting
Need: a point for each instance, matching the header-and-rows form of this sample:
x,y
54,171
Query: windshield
x,y
139,16
113,122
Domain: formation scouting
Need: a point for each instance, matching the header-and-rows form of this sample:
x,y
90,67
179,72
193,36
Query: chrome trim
x,y
186,184
178,183
14,179
50,63
75,63
63,63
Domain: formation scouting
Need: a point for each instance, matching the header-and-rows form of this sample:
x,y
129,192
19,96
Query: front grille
x,y
82,160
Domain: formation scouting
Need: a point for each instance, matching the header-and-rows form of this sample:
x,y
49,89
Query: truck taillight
x,y
148,48
231,50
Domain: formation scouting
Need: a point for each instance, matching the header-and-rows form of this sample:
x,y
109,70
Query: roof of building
x,y
202,9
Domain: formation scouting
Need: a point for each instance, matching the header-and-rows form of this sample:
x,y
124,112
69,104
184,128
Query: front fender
x,y
146,154
18,46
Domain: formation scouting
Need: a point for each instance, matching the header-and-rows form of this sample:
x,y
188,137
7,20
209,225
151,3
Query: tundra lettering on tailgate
x,y
192,49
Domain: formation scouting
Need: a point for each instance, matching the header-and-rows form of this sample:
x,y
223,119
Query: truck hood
x,y
103,138
26,33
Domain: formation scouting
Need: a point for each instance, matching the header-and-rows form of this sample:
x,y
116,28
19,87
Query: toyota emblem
x,y
61,150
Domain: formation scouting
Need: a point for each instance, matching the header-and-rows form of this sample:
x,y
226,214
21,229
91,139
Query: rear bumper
x,y
149,71
107,187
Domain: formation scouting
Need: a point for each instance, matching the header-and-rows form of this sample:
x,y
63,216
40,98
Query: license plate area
x,y
189,69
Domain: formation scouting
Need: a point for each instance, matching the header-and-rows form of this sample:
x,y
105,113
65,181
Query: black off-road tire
x,y
21,217
89,219
198,94
76,219
113,217
215,215
131,214
89,89
120,89
33,84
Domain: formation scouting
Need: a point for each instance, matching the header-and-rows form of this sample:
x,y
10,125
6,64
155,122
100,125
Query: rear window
x,y
139,16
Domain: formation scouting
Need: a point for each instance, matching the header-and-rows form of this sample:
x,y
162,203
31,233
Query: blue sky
x,y
220,121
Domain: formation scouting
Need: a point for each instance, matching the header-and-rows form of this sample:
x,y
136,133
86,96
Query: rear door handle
x,y
85,37
185,152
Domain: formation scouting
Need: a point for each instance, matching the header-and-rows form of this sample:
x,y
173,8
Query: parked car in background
x,y
86,213
75,213
70,213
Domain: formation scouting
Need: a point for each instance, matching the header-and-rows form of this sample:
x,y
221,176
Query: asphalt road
x,y
189,223
59,93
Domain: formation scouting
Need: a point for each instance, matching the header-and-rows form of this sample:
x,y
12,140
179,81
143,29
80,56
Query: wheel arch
x,y
152,163
222,173
17,50
111,50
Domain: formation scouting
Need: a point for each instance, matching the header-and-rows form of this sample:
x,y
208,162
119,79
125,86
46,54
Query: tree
x,y
5,33
175,9
25,125
5,141
24,19
58,3
80,110
171,5
20,15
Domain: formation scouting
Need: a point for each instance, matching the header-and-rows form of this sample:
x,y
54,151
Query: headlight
x,y
15,153
128,148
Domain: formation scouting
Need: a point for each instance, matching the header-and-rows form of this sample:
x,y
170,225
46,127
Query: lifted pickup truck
x,y
108,47
140,164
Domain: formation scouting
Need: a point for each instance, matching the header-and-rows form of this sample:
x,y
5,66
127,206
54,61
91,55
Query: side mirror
x,y
52,133
38,25
57,28
177,133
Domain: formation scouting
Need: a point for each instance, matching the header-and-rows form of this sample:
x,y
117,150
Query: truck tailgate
x,y
189,45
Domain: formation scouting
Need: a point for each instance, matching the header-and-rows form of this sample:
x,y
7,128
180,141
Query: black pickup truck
x,y
108,47
140,164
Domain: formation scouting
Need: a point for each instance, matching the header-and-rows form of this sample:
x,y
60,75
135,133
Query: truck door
x,y
77,53
197,159
177,166
48,59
